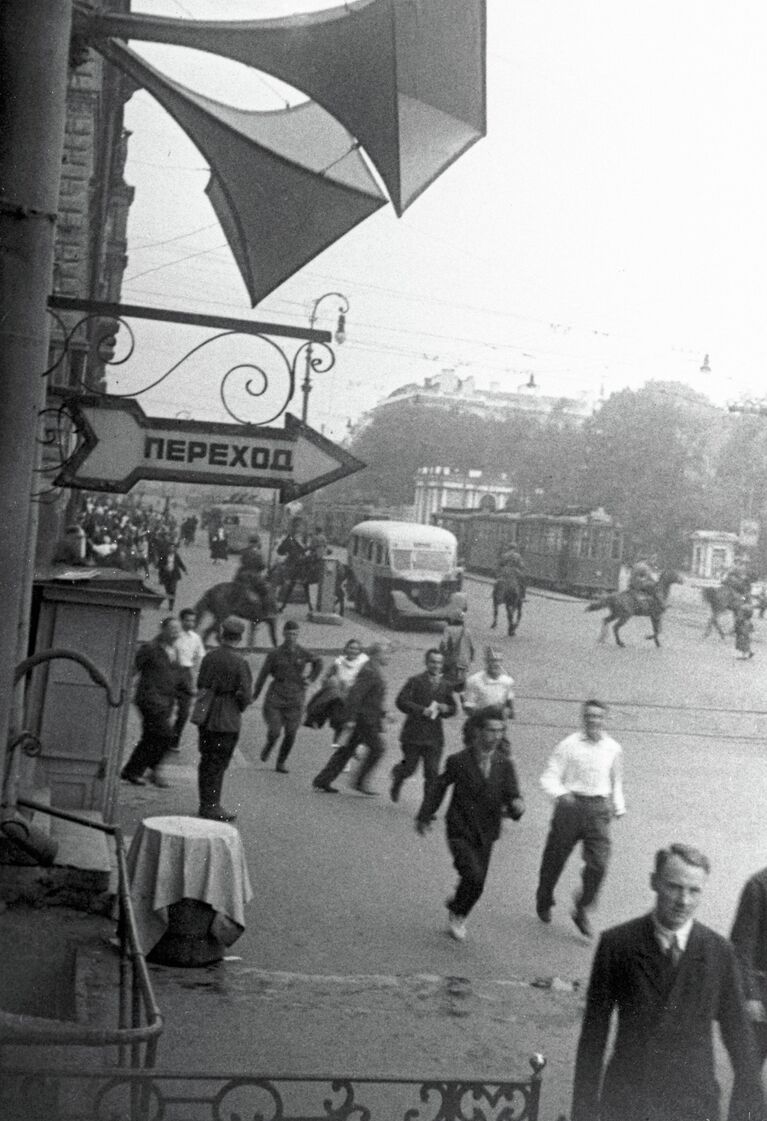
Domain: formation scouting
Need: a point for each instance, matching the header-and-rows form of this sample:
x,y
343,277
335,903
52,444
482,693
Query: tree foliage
x,y
662,460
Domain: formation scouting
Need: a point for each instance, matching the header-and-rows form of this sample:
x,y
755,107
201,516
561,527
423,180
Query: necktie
x,y
674,951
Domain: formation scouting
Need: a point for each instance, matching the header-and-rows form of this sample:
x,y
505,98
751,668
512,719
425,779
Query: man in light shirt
x,y
491,686
584,777
189,653
668,978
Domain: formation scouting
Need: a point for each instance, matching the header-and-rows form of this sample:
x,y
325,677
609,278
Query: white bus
x,y
239,520
400,571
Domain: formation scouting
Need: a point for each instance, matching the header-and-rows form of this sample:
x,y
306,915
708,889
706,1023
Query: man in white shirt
x,y
189,653
584,777
490,687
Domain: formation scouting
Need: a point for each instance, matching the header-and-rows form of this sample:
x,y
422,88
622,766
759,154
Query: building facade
x,y
90,248
437,488
447,390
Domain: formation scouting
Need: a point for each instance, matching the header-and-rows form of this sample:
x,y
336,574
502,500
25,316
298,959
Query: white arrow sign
x,y
120,444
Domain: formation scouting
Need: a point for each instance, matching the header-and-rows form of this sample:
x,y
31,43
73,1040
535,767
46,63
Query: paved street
x,y
345,966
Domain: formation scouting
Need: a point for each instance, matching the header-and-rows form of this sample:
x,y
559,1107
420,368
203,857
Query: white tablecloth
x,y
173,858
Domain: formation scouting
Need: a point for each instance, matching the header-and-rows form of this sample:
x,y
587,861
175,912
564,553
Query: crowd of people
x,y
667,978
122,533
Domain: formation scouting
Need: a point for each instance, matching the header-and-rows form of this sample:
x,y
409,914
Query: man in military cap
x,y
226,675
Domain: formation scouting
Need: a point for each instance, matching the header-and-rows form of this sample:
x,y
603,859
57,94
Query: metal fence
x,y
153,1095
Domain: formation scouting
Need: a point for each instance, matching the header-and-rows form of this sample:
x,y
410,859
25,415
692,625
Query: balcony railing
x,y
139,1023
149,1095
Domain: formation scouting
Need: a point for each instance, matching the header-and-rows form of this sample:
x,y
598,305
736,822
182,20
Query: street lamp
x,y
340,337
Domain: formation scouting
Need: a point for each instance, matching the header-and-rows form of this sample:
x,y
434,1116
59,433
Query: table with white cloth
x,y
184,872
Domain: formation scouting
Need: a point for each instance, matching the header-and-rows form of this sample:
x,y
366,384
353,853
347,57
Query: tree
x,y
645,460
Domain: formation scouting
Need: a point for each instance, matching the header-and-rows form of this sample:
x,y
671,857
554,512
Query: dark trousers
x,y
184,696
471,860
281,716
586,820
216,749
156,740
367,734
413,754
287,590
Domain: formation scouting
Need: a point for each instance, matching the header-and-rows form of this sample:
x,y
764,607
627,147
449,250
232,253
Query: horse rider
x,y
254,590
511,564
642,579
738,579
252,554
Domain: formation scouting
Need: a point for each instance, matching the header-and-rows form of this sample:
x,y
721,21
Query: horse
x,y
721,599
230,599
623,605
507,591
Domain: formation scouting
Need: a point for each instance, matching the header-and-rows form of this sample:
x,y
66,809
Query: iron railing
x,y
150,1095
139,1022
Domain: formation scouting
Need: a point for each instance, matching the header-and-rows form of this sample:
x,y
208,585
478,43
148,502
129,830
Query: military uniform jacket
x,y
477,804
662,1064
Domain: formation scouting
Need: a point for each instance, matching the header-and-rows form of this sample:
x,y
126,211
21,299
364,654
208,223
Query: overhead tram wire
x,y
627,731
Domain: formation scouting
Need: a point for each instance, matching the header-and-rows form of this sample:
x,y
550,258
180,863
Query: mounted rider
x,y
739,579
252,586
511,564
643,582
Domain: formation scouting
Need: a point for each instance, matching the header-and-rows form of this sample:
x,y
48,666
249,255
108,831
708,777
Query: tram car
x,y
578,553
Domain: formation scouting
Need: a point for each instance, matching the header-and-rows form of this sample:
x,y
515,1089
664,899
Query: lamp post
x,y
340,337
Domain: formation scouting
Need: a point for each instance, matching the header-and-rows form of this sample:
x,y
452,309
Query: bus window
x,y
431,559
400,559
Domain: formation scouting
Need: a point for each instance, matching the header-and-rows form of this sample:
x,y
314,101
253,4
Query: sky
x,y
610,229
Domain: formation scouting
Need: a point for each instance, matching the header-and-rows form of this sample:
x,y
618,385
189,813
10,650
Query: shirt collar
x,y
664,935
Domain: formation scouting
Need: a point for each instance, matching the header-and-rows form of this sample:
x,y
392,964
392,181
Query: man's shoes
x,y
267,751
135,780
364,790
456,926
396,786
325,787
581,920
543,913
216,813
281,770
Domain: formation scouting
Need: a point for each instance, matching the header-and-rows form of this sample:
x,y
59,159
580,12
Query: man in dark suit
x,y
426,699
485,787
749,937
669,978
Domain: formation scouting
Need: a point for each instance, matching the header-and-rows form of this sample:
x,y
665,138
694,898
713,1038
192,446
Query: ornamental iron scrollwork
x,y
132,1095
247,380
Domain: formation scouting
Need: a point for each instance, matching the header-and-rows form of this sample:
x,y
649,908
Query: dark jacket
x,y
158,678
288,672
294,553
478,804
417,694
365,702
749,936
662,1064
226,672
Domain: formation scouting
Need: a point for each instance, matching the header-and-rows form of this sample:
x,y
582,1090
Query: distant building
x,y
439,487
447,390
713,552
